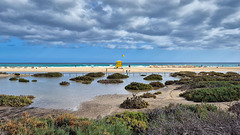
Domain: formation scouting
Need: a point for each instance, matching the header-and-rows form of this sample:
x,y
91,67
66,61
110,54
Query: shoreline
x,y
123,70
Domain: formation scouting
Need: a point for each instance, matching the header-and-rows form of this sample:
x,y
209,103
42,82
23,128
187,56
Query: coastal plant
x,y
138,86
157,93
83,79
148,95
98,74
15,101
183,74
23,80
110,81
135,121
64,83
180,119
34,80
157,85
169,82
117,76
143,75
13,79
3,73
17,74
221,94
153,77
235,108
134,102
50,74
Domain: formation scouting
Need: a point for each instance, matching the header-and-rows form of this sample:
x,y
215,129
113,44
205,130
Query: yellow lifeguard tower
x,y
118,64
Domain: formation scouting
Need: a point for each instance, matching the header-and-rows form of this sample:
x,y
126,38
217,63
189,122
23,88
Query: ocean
x,y
113,64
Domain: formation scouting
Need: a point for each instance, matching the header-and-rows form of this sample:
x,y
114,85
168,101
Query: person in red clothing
x,y
129,66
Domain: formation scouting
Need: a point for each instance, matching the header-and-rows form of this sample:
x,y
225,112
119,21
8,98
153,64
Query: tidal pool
x,y
49,94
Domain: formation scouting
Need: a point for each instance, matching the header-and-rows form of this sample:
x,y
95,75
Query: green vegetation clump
x,y
157,85
117,76
138,86
209,86
110,81
3,73
86,82
64,83
17,74
157,93
148,95
183,74
153,77
50,74
98,74
13,79
83,79
221,94
134,102
169,82
23,80
15,101
34,80
135,121
143,75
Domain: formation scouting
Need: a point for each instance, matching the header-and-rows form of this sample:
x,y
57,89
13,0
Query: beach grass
x,y
110,81
117,76
153,77
97,74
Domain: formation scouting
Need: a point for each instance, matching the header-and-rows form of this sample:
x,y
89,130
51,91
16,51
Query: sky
x,y
102,30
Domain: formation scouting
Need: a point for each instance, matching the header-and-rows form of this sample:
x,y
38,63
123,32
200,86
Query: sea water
x,y
113,64
49,94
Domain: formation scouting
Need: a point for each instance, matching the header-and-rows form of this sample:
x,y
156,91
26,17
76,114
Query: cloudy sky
x,y
103,30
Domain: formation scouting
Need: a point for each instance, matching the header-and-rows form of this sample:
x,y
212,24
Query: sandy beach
x,y
111,69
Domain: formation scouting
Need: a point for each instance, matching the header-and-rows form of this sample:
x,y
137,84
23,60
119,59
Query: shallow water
x,y
49,94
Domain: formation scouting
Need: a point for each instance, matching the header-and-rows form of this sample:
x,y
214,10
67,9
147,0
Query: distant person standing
x,y
129,66
75,66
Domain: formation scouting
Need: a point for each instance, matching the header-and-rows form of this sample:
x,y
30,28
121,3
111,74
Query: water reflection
x,y
49,94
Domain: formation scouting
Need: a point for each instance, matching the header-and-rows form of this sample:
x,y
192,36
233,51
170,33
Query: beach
x,y
120,70
105,105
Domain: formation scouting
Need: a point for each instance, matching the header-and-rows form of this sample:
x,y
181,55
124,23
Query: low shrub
x,y
65,124
183,74
179,119
86,82
98,74
23,80
64,83
83,79
117,76
169,82
134,102
221,94
3,73
148,95
138,86
143,75
235,108
153,77
157,85
157,93
13,79
50,74
15,101
110,81
34,80
17,74
136,121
